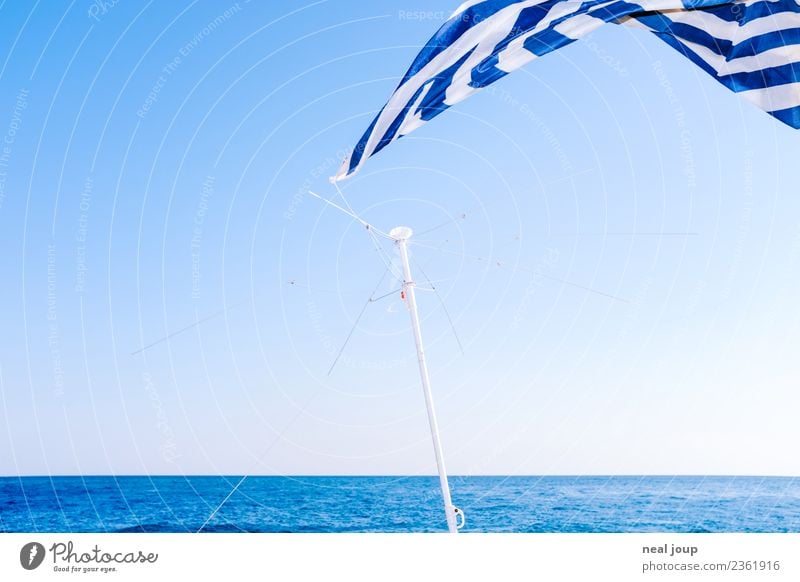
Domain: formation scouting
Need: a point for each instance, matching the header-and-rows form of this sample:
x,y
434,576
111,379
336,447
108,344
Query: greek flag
x,y
750,46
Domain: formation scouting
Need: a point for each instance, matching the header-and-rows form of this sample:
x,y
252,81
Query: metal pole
x,y
401,234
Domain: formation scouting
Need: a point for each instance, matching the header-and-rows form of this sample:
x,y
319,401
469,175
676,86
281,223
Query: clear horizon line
x,y
432,475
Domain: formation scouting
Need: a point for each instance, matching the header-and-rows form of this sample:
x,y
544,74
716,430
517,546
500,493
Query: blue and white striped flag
x,y
750,46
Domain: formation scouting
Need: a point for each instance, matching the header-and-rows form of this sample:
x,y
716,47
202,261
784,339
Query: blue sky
x,y
618,245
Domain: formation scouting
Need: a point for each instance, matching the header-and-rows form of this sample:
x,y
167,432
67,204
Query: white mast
x,y
401,234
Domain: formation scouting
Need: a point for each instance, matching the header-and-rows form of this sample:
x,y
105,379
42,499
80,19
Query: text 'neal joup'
x,y
670,550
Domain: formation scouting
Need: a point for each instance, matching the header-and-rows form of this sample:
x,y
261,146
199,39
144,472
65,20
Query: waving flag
x,y
750,46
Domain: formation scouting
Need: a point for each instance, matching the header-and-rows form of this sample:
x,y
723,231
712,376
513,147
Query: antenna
x,y
401,234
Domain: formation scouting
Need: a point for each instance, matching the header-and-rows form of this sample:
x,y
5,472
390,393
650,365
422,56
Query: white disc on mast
x,y
399,233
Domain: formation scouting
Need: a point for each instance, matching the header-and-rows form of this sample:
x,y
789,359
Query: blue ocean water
x,y
400,504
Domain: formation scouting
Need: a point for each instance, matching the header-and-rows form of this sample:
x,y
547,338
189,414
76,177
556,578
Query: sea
x,y
399,504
